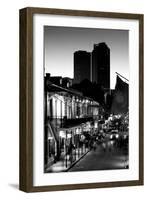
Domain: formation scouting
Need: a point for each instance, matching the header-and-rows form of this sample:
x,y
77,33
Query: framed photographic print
x,y
81,99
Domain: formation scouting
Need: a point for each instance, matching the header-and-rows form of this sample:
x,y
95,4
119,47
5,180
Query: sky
x,y
61,42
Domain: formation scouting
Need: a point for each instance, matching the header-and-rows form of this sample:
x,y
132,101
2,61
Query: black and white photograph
x,y
81,99
86,99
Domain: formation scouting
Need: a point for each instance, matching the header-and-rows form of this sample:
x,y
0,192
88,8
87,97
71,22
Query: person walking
x,y
70,151
94,145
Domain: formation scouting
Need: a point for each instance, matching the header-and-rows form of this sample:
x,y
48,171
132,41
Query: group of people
x,y
96,140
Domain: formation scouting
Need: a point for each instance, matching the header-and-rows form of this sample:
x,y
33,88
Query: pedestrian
x,y
104,146
70,150
94,145
91,144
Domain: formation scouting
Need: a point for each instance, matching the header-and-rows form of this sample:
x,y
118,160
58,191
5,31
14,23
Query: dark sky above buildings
x,y
61,42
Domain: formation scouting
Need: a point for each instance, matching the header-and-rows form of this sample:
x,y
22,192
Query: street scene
x,y
86,122
103,157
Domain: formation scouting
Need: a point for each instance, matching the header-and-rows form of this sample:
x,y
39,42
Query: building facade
x,y
94,66
82,66
70,120
101,65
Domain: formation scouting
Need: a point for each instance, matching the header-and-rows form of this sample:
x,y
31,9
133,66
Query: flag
x,y
120,99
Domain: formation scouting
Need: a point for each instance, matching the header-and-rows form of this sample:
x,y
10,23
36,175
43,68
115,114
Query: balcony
x,y
70,122
67,123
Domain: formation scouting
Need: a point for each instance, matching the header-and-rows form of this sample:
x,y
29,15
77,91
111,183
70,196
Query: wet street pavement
x,y
106,156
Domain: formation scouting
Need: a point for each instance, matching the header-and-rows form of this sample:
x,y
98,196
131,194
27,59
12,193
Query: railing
x,y
69,122
76,121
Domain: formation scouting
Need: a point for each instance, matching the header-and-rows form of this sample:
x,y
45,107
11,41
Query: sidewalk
x,y
66,163
105,157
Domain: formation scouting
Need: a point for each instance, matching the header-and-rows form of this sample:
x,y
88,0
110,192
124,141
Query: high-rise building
x,y
82,66
101,65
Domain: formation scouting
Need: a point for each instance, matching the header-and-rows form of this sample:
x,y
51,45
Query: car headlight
x,y
117,136
111,136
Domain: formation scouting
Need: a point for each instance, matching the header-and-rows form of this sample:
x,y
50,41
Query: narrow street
x,y
106,156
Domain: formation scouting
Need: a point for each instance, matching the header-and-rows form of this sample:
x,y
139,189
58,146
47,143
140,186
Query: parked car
x,y
114,135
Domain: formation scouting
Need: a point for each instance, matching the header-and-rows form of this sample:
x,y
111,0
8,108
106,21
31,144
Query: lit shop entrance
x,y
69,147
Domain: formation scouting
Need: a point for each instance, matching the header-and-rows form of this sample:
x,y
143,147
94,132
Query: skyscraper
x,y
101,65
82,66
